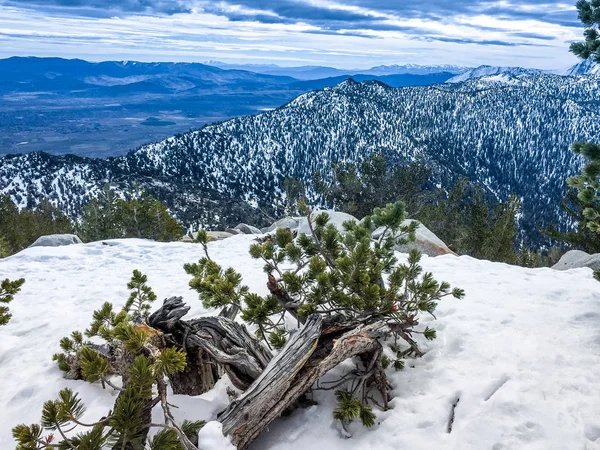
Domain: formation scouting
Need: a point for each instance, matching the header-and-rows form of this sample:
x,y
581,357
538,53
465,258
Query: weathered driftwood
x,y
307,356
221,340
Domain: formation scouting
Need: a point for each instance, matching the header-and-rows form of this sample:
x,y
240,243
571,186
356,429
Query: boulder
x,y
575,259
336,218
214,235
287,222
233,231
187,238
56,240
247,229
425,241
218,235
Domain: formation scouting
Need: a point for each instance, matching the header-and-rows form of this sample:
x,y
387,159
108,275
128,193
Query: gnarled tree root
x,y
210,342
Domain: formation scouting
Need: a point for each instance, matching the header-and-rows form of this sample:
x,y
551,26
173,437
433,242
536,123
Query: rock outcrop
x,y
575,259
56,240
425,241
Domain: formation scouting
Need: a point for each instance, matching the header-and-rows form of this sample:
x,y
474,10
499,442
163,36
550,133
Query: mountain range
x,y
511,133
316,72
106,109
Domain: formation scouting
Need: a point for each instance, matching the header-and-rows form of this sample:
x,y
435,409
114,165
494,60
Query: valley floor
x,y
521,352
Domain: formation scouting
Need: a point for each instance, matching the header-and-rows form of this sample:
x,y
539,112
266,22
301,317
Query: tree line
x,y
105,217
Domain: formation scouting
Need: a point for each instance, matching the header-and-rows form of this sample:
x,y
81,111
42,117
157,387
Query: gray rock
x,y
233,231
218,235
214,235
336,218
287,222
575,259
56,240
247,229
425,241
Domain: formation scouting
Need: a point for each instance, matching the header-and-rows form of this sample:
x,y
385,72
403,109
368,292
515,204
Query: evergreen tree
x,y
470,224
143,217
20,229
358,188
581,237
101,217
141,297
4,248
146,217
294,192
8,290
589,13
587,183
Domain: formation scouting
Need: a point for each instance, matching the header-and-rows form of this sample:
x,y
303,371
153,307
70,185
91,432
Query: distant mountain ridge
x,y
512,135
486,71
315,72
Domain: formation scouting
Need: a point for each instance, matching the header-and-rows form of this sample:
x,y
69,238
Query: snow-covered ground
x,y
521,351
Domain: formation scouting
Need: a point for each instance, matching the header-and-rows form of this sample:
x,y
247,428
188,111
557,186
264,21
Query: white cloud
x,y
198,36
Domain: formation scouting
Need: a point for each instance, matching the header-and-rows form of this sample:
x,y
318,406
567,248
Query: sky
x,y
339,33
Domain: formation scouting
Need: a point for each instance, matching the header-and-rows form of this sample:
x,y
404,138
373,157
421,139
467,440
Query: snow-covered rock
x,y
520,351
336,218
287,222
425,241
56,240
247,229
575,259
218,235
214,235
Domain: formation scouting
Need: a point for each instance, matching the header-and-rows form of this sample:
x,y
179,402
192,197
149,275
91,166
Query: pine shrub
x,y
341,274
130,350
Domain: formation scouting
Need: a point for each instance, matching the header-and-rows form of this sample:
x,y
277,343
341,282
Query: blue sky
x,y
339,33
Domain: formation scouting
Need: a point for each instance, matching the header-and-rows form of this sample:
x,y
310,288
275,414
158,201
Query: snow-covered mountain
x,y
522,356
315,72
415,69
486,71
511,136
587,67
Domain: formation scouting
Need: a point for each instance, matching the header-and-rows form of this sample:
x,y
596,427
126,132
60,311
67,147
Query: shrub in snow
x,y
346,293
345,278
130,350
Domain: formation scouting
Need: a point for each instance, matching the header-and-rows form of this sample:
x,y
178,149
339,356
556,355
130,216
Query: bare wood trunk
x,y
199,376
303,360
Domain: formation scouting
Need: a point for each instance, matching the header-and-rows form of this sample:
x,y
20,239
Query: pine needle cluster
x,y
8,290
589,14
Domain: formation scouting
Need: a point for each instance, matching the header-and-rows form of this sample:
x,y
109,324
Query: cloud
x,y
99,8
346,32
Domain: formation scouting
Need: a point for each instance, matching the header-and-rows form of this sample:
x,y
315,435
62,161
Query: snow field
x,y
521,352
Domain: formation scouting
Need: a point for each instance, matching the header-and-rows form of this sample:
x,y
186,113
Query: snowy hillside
x,y
587,67
521,352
